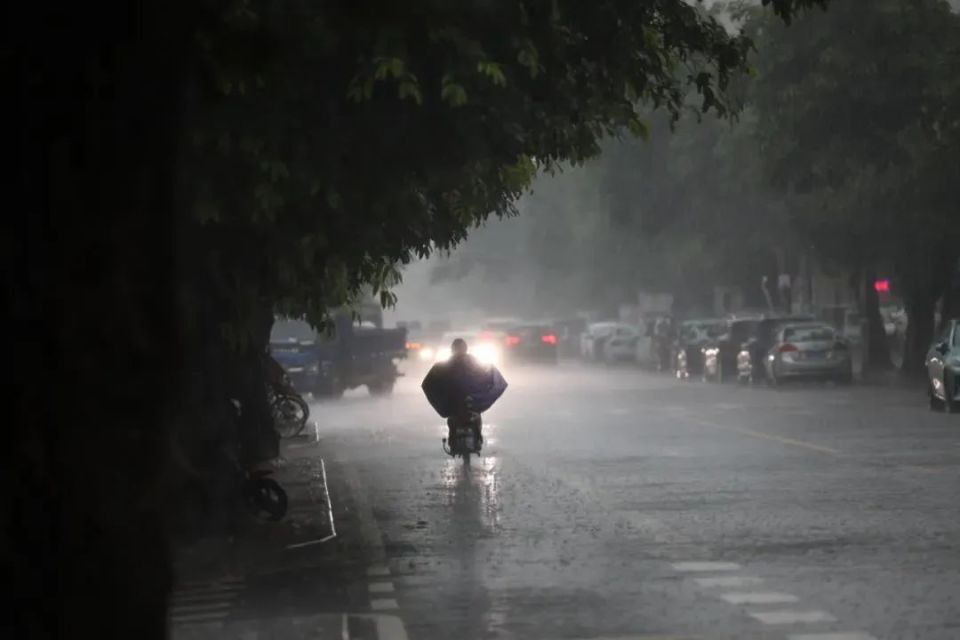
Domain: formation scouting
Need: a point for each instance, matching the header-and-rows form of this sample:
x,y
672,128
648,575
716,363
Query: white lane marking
x,y
788,616
207,583
378,570
333,528
852,635
388,627
728,581
380,587
213,590
693,567
199,608
213,616
184,598
383,604
759,597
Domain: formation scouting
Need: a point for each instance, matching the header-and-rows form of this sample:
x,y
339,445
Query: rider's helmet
x,y
459,347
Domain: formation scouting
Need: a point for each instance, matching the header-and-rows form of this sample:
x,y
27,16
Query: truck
x,y
358,352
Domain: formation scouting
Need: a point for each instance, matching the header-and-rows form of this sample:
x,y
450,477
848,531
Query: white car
x,y
592,340
622,344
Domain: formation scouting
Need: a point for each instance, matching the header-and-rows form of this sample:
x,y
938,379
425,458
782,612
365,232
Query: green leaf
x,y
453,93
389,68
409,89
493,71
529,58
639,128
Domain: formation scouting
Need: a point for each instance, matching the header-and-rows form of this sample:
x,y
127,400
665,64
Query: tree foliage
x,y
370,134
859,125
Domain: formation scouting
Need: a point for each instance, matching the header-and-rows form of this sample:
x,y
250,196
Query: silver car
x,y
809,350
943,369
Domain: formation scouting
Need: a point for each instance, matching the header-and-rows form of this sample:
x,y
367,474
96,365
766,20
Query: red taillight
x,y
512,341
787,348
548,339
486,335
413,345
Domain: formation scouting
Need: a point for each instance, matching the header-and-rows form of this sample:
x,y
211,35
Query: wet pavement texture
x,y
614,504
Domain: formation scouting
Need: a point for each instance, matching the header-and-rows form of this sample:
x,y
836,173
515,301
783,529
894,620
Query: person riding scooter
x,y
463,365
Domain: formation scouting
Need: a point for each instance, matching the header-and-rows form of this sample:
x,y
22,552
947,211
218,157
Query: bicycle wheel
x,y
290,415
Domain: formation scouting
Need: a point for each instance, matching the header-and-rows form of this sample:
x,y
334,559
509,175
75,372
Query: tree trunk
x,y
96,341
878,350
920,307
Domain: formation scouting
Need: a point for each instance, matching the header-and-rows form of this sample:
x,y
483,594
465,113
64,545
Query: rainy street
x,y
614,503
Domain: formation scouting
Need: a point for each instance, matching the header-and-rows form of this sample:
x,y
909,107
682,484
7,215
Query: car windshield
x,y
288,331
700,330
812,333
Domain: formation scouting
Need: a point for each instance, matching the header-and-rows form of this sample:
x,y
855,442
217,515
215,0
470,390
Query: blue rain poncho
x,y
448,384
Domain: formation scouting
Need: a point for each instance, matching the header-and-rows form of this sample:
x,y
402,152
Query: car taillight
x,y
413,345
512,341
788,348
548,339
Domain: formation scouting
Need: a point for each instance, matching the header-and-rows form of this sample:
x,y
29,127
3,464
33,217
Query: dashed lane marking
x,y
697,567
388,627
788,616
759,597
383,604
380,587
198,602
850,635
728,581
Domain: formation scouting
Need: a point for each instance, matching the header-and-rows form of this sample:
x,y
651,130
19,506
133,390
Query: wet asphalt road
x,y
613,503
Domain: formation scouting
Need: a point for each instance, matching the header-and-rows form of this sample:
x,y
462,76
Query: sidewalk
x,y
258,545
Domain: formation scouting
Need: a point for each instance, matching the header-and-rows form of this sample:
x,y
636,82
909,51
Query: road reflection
x,y
474,502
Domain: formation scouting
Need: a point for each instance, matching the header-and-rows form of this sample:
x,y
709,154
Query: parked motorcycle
x,y
289,411
261,495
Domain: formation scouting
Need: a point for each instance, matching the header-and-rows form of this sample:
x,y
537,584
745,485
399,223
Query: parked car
x,y
751,360
621,344
532,342
692,337
943,369
593,339
809,350
720,355
568,332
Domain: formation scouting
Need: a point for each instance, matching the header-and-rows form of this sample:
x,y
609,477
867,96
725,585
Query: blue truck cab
x,y
358,352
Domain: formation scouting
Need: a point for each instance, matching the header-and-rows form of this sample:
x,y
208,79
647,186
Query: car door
x,y
936,358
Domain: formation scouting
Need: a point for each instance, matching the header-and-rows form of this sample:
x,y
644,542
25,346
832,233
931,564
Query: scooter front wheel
x,y
266,498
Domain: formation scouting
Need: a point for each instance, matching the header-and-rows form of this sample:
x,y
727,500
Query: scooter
x,y
463,441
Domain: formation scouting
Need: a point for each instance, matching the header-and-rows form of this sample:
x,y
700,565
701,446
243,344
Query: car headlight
x,y
426,354
487,353
442,355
